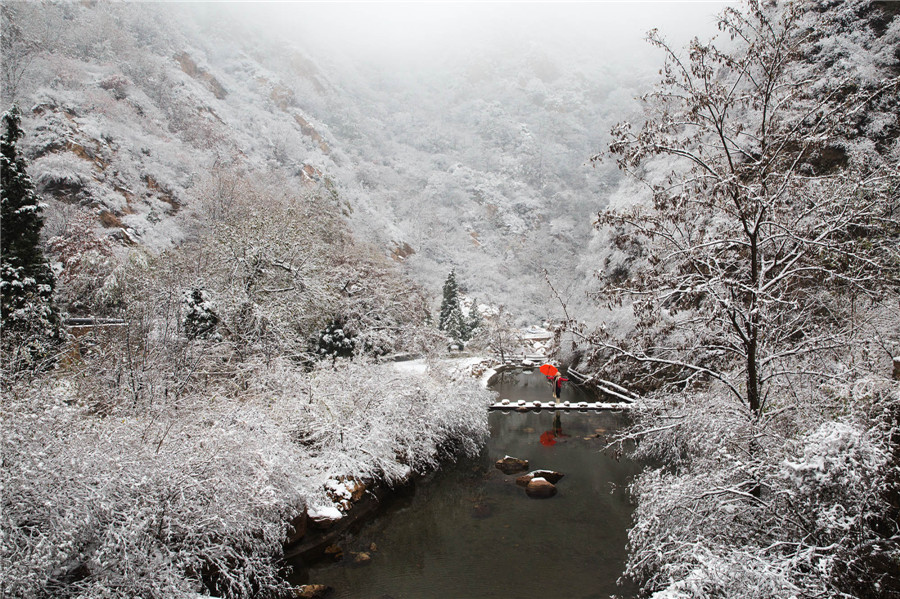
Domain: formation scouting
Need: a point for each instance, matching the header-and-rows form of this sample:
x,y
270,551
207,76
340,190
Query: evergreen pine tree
x,y
334,341
456,327
30,322
200,318
473,321
452,320
450,301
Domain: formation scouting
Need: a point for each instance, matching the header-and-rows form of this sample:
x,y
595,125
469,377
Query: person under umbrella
x,y
558,380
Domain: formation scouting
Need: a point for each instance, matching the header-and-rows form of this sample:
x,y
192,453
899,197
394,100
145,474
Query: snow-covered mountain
x,y
476,160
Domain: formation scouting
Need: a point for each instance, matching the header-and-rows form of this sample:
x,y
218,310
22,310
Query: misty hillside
x,y
129,110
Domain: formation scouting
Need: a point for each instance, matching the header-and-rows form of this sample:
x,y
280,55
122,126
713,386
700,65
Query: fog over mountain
x,y
471,126
459,135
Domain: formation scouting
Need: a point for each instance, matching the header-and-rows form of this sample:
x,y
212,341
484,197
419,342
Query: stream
x,y
469,532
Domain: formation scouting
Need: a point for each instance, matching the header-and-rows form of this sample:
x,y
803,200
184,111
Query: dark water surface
x,y
469,532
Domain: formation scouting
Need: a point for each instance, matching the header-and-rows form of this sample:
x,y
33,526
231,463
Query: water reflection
x,y
471,532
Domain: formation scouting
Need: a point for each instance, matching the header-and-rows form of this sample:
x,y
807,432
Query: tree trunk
x,y
753,376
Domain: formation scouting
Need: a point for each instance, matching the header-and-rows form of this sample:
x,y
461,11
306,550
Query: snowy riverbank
x,y
196,494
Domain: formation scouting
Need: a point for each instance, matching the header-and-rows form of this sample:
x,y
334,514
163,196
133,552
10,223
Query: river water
x,y
469,532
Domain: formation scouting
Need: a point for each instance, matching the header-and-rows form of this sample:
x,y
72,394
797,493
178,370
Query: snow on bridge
x,y
571,406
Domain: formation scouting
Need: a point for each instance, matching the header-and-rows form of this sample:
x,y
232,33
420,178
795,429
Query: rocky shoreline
x,y
313,535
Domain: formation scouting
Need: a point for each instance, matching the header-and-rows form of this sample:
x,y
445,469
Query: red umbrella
x,y
548,370
548,438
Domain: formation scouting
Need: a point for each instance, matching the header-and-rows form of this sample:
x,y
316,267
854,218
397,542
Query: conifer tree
x,y
453,321
456,327
473,321
30,321
450,301
200,318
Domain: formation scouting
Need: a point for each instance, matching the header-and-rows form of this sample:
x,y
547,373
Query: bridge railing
x,y
608,387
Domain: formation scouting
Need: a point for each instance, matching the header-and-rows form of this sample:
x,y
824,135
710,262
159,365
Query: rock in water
x,y
361,559
335,552
312,591
549,475
511,465
540,488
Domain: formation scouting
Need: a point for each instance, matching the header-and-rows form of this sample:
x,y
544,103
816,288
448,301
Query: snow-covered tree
x,y
496,333
382,310
474,320
455,326
265,261
757,273
200,318
774,220
30,321
18,52
453,320
449,301
334,341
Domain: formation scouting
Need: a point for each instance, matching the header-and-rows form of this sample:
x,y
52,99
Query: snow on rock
x,y
339,489
324,517
324,512
540,488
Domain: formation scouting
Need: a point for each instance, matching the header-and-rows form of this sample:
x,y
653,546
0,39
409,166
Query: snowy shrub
x,y
64,175
155,467
85,261
833,463
374,422
741,510
117,84
334,341
151,505
200,317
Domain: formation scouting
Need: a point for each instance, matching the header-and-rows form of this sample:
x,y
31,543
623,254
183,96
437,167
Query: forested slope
x,y
131,111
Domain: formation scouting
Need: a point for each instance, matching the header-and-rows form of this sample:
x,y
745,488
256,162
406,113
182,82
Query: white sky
x,y
420,31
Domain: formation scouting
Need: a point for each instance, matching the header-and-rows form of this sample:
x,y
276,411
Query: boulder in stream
x,y
550,476
540,488
323,518
312,591
335,552
361,558
511,465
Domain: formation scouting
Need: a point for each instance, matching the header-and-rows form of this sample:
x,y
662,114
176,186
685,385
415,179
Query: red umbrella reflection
x,y
548,438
